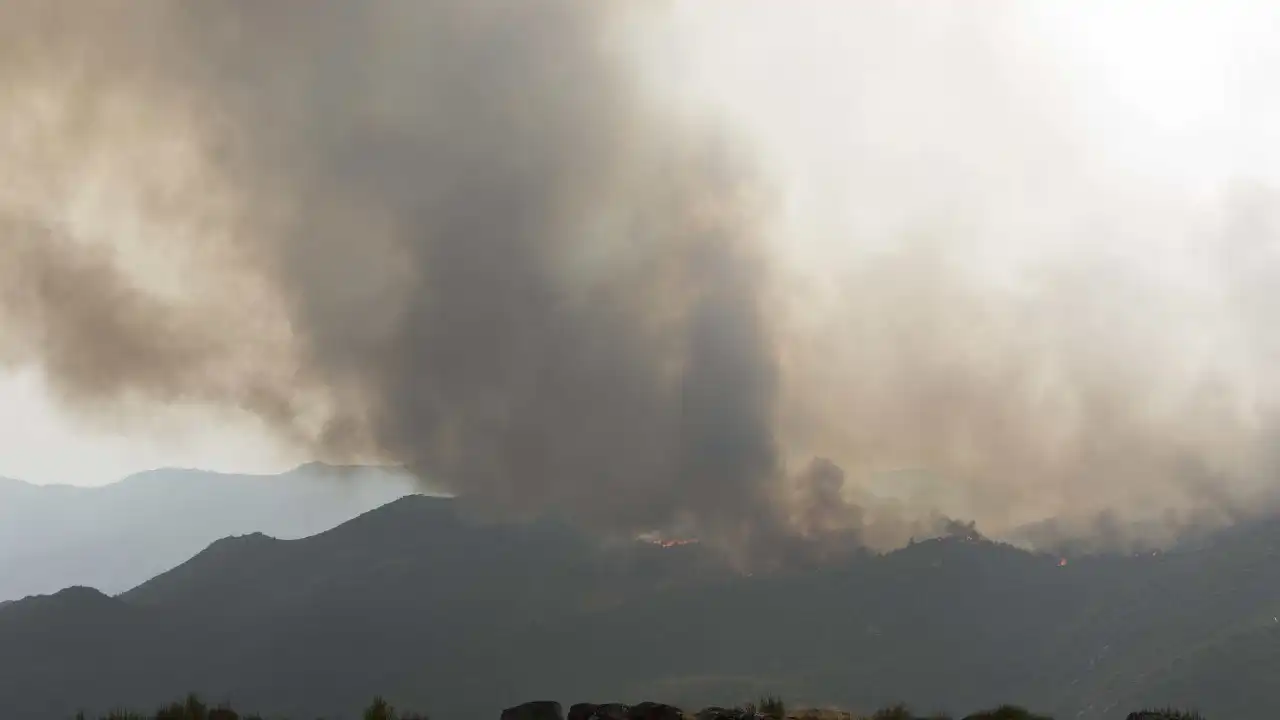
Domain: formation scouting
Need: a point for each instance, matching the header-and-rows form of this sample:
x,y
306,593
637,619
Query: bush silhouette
x,y
768,706
193,708
1168,714
379,709
190,708
893,712
1007,712
772,706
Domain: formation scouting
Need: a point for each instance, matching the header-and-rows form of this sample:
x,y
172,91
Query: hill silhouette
x,y
460,619
116,536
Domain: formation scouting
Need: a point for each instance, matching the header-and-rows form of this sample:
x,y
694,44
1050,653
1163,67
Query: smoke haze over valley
x,y
772,275
116,537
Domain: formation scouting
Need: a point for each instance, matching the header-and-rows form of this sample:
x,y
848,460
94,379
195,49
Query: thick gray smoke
x,y
465,237
497,263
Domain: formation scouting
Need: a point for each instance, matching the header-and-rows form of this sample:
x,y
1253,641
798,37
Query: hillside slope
x,y
116,536
461,619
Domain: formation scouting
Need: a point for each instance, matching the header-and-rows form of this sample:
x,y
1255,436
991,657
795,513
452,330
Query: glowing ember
x,y
1062,562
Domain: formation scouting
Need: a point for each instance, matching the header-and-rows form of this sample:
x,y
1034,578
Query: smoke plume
x,y
471,238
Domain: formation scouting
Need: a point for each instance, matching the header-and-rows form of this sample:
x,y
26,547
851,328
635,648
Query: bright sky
x,y
1175,91
40,444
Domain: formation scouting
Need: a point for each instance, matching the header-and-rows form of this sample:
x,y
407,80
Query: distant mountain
x,y
116,536
438,612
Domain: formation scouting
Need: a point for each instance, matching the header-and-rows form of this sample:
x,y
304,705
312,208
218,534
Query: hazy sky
x,y
39,443
1175,98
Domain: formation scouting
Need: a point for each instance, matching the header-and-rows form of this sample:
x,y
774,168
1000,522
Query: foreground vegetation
x,y
193,708
766,708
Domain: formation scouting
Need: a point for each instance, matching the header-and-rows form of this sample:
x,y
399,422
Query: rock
x,y
655,711
611,711
536,710
719,713
582,711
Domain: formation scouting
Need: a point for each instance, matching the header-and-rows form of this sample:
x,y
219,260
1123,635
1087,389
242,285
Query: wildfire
x,y
673,543
657,538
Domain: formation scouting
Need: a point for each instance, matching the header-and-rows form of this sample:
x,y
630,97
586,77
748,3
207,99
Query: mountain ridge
x,y
118,535
458,617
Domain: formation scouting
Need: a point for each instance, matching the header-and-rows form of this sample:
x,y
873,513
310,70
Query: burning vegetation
x,y
667,542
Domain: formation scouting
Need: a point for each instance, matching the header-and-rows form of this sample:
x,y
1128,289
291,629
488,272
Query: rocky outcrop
x,y
721,713
536,710
605,711
547,710
655,711
612,711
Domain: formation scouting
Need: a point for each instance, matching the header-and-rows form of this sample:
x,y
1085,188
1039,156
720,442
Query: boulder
x,y
655,711
582,711
536,710
719,713
611,711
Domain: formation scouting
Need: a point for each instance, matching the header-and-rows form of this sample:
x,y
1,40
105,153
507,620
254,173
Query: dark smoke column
x,y
496,259
511,258
728,461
